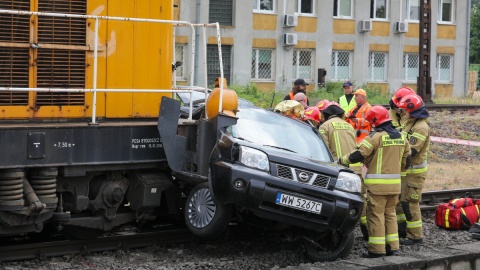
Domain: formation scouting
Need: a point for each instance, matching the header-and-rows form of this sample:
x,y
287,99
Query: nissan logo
x,y
303,176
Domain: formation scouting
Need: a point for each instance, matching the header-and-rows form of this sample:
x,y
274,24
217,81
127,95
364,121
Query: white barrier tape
x,y
454,141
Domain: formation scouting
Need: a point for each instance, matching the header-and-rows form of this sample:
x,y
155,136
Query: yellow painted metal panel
x,y
343,46
381,29
446,49
181,39
306,44
223,40
306,24
342,26
410,49
264,43
264,21
413,30
443,90
379,47
446,31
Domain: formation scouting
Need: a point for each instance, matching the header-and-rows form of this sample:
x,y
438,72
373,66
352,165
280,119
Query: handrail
x,y
95,65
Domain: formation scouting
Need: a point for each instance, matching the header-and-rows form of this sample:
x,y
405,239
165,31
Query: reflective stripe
x,y
423,165
367,144
403,174
379,160
401,218
463,211
337,144
322,131
358,164
376,240
382,181
419,136
414,224
447,224
363,220
392,237
383,176
417,171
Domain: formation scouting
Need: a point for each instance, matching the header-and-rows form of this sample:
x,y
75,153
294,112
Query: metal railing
x,y
94,88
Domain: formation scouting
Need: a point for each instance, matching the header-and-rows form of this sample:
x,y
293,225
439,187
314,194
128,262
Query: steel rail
x,y
431,199
69,247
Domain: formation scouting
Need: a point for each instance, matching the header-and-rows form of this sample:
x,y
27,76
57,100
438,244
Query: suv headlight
x,y
349,182
254,158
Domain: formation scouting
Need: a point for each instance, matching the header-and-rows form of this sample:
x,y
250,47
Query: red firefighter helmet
x,y
322,104
411,102
377,115
400,93
312,113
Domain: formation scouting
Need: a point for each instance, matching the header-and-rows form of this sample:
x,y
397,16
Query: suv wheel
x,y
329,248
206,217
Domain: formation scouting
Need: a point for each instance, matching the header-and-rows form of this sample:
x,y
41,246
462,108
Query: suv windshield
x,y
270,129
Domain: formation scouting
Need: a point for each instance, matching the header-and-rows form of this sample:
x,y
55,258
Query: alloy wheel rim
x,y
201,208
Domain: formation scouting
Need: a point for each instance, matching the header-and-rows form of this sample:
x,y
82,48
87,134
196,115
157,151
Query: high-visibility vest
x,y
345,105
362,126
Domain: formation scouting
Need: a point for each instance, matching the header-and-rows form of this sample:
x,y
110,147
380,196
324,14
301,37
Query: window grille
x,y
342,8
377,66
444,68
341,65
263,5
180,50
446,10
213,66
378,9
302,64
304,6
410,66
221,11
413,10
262,64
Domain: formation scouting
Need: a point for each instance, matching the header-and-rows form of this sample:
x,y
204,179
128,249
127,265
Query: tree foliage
x,y
475,32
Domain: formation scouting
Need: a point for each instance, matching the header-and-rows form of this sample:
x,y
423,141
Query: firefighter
x,y
341,139
396,114
384,152
417,131
356,116
321,105
299,86
347,101
398,120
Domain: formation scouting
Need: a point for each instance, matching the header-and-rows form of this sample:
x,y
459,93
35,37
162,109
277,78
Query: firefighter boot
x,y
410,242
364,230
402,229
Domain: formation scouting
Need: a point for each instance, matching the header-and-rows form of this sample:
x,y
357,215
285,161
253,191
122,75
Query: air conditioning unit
x,y
289,39
401,27
290,20
365,26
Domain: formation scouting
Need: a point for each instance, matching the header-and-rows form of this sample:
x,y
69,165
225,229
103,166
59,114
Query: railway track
x,y
431,199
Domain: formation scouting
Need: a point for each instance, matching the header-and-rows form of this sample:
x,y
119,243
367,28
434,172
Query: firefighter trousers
x,y
382,222
409,205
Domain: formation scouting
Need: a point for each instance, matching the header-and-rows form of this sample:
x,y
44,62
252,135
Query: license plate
x,y
298,203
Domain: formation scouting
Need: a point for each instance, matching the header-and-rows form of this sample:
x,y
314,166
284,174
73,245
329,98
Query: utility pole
x,y
424,80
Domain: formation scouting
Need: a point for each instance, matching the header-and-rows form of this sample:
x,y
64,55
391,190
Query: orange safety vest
x,y
292,96
362,127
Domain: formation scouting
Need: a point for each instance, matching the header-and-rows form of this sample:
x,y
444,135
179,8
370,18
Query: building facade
x,y
273,42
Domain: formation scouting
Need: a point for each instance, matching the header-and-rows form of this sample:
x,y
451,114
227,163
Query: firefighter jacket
x,y
384,158
417,132
339,136
344,103
362,126
398,119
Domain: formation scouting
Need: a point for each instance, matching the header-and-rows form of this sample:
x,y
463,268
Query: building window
x,y
302,64
180,52
413,10
444,68
377,66
341,65
221,11
410,66
263,6
445,9
304,6
343,8
213,62
262,64
378,9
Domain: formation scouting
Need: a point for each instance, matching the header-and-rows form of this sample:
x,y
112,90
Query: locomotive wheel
x,y
329,248
206,217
